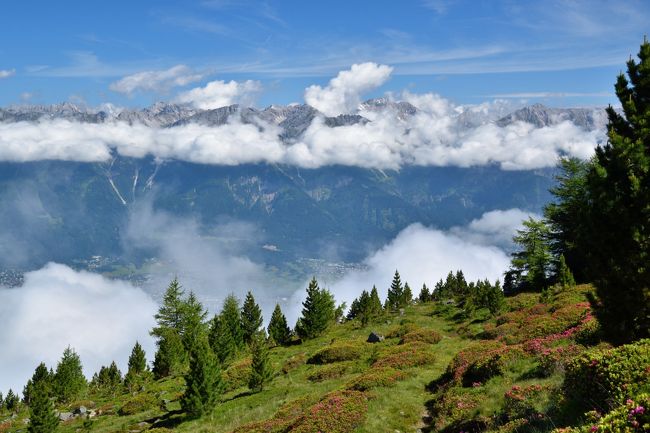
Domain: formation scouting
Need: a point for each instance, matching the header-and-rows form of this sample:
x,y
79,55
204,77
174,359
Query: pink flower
x,y
594,428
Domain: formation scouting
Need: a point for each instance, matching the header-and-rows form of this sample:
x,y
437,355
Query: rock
x,y
26,421
81,410
92,414
66,416
375,338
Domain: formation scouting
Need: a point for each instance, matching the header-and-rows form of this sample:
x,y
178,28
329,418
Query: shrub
x,y
455,407
401,330
328,372
521,402
294,362
555,359
286,416
237,375
405,356
337,412
336,353
632,417
139,403
599,378
375,377
428,336
481,361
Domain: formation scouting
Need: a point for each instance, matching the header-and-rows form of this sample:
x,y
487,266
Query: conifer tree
x,y
278,329
425,295
318,311
251,318
109,379
260,368
221,341
231,318
395,293
11,401
375,303
42,418
171,313
69,381
407,296
531,264
41,374
138,370
563,276
203,382
2,401
170,356
193,321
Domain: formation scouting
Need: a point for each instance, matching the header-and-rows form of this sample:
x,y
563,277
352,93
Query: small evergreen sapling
x,y
260,368
251,318
278,329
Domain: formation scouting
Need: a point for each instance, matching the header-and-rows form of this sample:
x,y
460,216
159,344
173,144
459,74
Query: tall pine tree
x,y
251,318
260,367
318,311
278,329
69,380
395,295
231,318
42,418
41,376
203,382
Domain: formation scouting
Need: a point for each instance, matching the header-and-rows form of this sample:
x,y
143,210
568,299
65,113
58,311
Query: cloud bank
x,y
343,93
156,81
219,93
59,307
424,255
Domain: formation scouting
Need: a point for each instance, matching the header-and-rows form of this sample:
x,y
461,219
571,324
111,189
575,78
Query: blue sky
x,y
563,53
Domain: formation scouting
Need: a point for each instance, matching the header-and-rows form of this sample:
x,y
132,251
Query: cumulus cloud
x,y
59,307
156,81
425,255
219,93
494,228
343,93
6,73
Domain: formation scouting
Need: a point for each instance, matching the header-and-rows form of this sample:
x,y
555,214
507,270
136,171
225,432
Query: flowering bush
x,y
139,403
520,402
481,361
375,377
294,362
401,330
336,353
337,412
599,378
328,372
631,417
456,409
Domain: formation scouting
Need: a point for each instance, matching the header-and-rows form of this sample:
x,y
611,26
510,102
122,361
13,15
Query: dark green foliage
x,y
193,321
531,264
260,368
251,318
231,318
41,376
42,418
170,356
203,382
395,297
109,379
336,353
170,314
278,329
221,341
376,308
140,403
425,295
407,295
482,294
69,381
564,276
318,311
11,401
137,359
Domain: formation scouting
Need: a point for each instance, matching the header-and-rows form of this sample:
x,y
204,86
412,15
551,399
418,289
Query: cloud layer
x,y
156,81
219,93
343,93
59,307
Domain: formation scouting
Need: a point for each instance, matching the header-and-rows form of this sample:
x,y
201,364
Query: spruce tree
x,y
170,356
193,321
203,382
69,381
563,276
221,341
11,401
171,320
618,184
171,313
375,303
41,375
407,296
425,295
231,318
318,311
137,359
395,293
42,418
532,262
278,329
260,367
251,318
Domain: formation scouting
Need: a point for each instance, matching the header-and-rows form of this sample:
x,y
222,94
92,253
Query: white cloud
x,y
343,93
496,228
6,73
422,255
218,94
156,81
59,307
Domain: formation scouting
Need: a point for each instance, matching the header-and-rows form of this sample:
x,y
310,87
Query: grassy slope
x,y
403,407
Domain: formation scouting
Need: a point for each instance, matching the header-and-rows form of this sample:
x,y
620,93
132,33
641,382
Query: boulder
x,y
66,416
81,410
375,338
